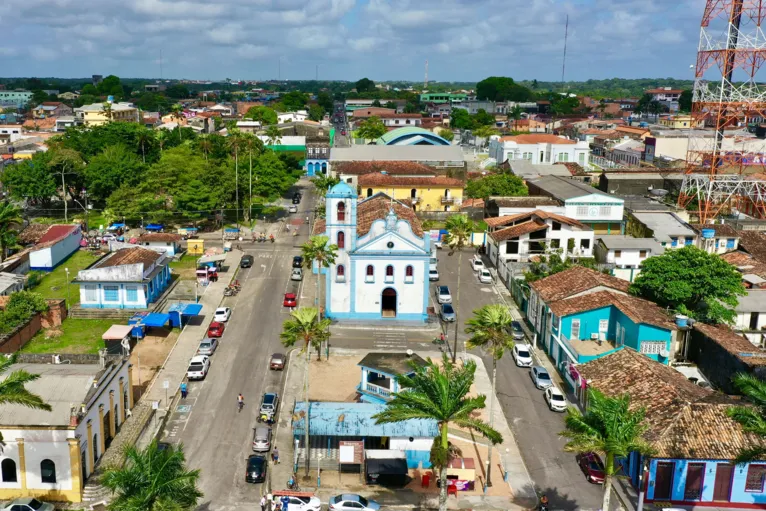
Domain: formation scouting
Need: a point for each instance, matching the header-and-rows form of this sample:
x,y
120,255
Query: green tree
x,y
371,129
89,89
365,85
411,107
253,147
66,162
514,115
293,101
325,101
608,427
273,135
177,113
446,134
153,479
440,393
485,132
10,220
273,178
177,91
489,329
162,138
692,282
106,172
461,119
144,139
546,265
38,96
324,182
501,88
316,113
13,389
482,118
685,101
263,114
500,185
31,179
459,228
236,142
376,103
752,418
111,86
319,250
390,104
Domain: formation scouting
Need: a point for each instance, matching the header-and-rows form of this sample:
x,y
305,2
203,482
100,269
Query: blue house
x,y
693,438
379,372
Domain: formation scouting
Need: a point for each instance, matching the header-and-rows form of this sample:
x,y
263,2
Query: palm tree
x,y
307,328
610,428
177,113
13,390
752,418
318,249
235,142
68,161
153,480
108,111
253,145
515,114
144,136
601,107
489,329
459,230
10,217
485,132
273,135
162,137
439,393
205,144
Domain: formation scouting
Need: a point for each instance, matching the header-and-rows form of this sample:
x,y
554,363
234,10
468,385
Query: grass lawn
x,y
53,285
186,267
73,336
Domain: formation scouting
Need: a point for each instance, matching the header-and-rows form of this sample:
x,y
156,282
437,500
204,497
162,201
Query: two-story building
x,y
394,120
665,227
437,156
299,116
539,148
519,237
317,155
10,133
379,373
438,193
15,98
51,109
627,254
716,238
98,114
668,96
507,206
349,171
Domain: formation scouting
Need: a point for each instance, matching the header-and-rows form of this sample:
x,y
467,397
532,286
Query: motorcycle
x,y
271,237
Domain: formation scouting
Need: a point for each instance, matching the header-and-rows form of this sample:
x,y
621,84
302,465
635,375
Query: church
x,y
381,272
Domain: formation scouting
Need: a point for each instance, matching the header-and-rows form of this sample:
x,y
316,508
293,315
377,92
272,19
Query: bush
x,y
34,278
21,307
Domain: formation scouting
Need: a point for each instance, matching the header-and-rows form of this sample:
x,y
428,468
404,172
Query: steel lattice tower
x,y
721,169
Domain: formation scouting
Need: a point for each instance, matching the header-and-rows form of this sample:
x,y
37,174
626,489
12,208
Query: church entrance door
x,y
388,303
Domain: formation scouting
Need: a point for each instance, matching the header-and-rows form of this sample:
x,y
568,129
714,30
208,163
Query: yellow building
x,y
681,121
98,113
438,193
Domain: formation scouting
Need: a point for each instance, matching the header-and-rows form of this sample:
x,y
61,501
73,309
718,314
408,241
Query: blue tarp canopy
x,y
231,229
156,319
138,317
190,229
192,309
154,227
178,311
114,227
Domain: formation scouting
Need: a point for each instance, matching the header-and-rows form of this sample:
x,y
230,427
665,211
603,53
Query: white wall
x,y
594,208
404,444
578,152
42,258
410,295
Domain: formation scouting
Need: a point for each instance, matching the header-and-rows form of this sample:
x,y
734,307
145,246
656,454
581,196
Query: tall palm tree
x,y
318,249
153,480
253,145
752,418
205,144
459,230
515,114
235,142
273,135
439,393
610,428
144,137
485,132
489,329
307,328
13,390
177,113
162,137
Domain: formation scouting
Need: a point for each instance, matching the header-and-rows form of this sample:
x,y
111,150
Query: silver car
x,y
261,439
207,346
297,274
447,313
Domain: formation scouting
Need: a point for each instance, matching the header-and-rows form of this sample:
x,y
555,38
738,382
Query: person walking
x,y
275,455
184,390
263,502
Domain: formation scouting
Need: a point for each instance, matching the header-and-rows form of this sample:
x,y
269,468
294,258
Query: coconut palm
x,y
609,428
253,146
752,418
307,329
459,230
485,132
439,393
489,329
205,144
13,390
273,135
177,113
162,137
235,142
153,480
515,114
144,137
318,249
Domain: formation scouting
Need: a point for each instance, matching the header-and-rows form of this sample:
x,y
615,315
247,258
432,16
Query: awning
x,y
231,229
211,258
154,227
390,466
156,319
114,227
117,332
192,309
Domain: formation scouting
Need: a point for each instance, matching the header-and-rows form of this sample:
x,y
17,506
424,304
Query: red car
x,y
215,329
591,466
343,133
290,300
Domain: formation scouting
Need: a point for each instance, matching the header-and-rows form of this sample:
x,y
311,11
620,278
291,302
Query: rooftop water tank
x,y
681,321
708,234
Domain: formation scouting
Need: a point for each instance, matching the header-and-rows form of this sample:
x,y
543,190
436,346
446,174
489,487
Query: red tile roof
x,y
637,309
754,243
734,343
57,232
399,116
518,230
133,255
537,138
389,180
359,168
159,236
544,215
574,281
376,208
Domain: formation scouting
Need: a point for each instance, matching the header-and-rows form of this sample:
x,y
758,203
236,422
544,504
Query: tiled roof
x,y
57,232
721,230
537,138
502,220
472,203
399,116
359,168
32,233
377,207
518,230
632,130
637,309
524,202
754,243
42,124
574,281
734,343
134,255
745,263
159,236
544,215
388,180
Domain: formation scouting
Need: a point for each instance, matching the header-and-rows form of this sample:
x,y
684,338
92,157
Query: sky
x,y
463,40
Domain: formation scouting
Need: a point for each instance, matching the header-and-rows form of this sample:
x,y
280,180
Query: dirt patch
x,y
335,379
149,355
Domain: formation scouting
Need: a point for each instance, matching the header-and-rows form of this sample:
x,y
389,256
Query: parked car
x,y
277,361
555,399
343,132
222,314
256,469
443,295
261,439
297,274
298,262
207,346
28,504
292,208
352,502
540,377
296,200
522,355
516,331
476,263
198,367
447,312
269,404
433,274
300,502
591,465
215,329
485,277
246,261
290,300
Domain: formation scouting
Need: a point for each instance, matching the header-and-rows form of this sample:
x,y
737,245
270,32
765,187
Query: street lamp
x,y
67,288
85,196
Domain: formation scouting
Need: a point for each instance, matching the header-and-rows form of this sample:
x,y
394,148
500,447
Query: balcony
x,y
376,390
448,200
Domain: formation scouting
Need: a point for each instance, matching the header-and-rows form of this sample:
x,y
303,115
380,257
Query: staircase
x,y
78,312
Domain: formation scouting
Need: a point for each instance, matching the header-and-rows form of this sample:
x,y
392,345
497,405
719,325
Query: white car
x,y
198,367
522,355
433,274
292,209
555,399
297,274
443,295
477,264
352,502
301,503
28,504
222,314
485,277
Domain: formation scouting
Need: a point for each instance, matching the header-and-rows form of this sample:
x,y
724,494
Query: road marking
x,y
183,408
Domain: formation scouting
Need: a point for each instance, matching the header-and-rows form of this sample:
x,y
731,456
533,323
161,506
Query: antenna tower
x,y
722,161
425,81
564,63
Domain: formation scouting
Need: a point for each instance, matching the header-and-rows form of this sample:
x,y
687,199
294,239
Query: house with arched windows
x,y
381,272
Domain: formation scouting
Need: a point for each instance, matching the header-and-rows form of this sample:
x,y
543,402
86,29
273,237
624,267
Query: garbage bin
x,y
425,480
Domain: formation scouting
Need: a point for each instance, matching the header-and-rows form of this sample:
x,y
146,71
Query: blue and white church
x,y
381,272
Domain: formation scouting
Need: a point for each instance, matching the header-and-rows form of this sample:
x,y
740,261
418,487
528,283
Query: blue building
x,y
379,372
694,439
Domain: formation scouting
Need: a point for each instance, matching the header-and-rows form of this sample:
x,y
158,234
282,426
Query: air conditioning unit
x,y
593,337
664,353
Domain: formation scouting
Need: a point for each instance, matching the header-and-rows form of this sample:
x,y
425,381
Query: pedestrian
x,y
263,502
184,391
285,502
275,455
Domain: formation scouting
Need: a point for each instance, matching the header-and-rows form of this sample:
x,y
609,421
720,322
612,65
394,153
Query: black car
x,y
296,200
298,262
256,469
246,261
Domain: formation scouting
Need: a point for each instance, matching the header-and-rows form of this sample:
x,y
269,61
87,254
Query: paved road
x,y
216,437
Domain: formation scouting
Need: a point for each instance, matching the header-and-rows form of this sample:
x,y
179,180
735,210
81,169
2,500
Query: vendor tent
x,y
114,337
181,312
156,319
154,227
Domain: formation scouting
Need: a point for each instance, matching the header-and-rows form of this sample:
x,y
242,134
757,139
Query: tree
x,y
642,106
177,113
446,134
440,393
485,132
89,89
263,114
325,101
273,178
601,107
307,328
371,129
273,135
106,172
461,119
460,228
253,147
153,479
501,88
13,389
145,137
501,185
610,428
376,103
162,138
482,118
10,219
390,104
32,179
324,182
316,113
751,418
692,282
515,114
235,143
489,329
546,265
38,96
66,161
365,85
177,91
111,86
685,101
319,250
293,101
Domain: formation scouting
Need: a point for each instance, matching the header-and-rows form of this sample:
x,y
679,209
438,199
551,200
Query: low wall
x,y
79,358
55,315
13,342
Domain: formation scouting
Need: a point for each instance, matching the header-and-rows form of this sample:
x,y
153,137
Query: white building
x,y
381,272
750,318
49,454
518,237
626,253
55,246
299,116
10,133
539,148
716,238
667,228
224,110
397,120
167,242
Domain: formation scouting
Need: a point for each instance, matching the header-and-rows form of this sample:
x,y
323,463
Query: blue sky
x,y
463,40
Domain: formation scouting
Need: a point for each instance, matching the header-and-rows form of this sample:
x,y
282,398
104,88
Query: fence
x,y
16,340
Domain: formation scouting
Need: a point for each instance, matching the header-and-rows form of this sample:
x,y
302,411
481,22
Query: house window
x,y
617,253
673,242
582,211
754,320
340,273
581,158
341,212
341,239
8,468
91,294
370,274
605,210
389,274
688,242
556,226
48,471
642,253
730,243
574,331
755,477
563,156
652,347
409,275
369,192
111,293
585,244
555,243
131,294
603,325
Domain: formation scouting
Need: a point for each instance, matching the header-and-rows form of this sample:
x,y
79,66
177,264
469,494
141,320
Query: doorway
x,y
388,303
663,480
722,487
